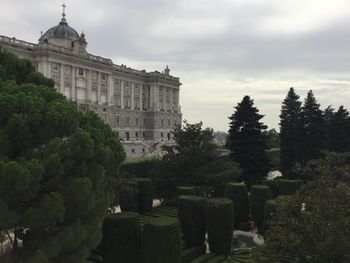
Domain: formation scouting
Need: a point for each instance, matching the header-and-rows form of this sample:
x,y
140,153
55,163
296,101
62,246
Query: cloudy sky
x,y
221,50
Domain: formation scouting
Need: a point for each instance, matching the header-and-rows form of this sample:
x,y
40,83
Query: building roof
x,y
62,30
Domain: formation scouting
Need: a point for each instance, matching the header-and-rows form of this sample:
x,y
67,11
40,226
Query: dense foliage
x,y
314,226
54,165
238,193
290,131
193,160
247,142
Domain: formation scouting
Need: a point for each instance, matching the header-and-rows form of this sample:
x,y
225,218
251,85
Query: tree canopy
x,y
247,142
55,161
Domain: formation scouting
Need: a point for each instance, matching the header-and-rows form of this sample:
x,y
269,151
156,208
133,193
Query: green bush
x,y
289,186
145,196
160,241
270,209
191,254
121,236
185,190
273,185
219,218
191,212
238,193
259,194
128,197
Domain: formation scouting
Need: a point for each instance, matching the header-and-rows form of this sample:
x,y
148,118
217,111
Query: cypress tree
x,y
246,141
290,131
313,132
339,131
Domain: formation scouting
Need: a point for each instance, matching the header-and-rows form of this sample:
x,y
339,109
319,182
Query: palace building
x,y
142,107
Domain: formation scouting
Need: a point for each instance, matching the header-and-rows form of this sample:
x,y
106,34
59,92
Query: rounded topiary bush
x,y
289,186
219,219
273,185
191,212
238,193
185,190
160,241
259,194
128,197
145,196
121,237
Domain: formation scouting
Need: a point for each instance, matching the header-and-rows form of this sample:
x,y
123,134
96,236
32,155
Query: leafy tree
x,y
290,126
313,130
315,225
246,141
55,163
192,160
339,131
272,139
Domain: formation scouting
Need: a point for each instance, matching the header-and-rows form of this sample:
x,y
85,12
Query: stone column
x,y
177,93
88,85
122,83
73,84
61,89
110,90
98,87
171,99
141,97
132,95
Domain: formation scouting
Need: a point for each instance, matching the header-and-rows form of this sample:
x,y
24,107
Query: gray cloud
x,y
221,49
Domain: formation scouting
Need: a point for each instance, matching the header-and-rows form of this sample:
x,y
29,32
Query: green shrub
x,y
191,212
270,209
238,193
273,185
128,197
120,241
289,186
185,190
219,218
259,194
191,254
145,196
160,241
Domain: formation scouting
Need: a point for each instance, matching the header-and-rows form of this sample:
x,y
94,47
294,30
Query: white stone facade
x,y
142,107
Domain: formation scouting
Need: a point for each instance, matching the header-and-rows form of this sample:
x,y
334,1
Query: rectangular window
x,y
136,134
81,72
127,121
127,136
117,120
54,67
137,121
103,76
162,123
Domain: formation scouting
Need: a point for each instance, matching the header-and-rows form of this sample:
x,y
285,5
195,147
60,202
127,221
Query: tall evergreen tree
x,y
339,131
313,131
328,115
246,141
290,130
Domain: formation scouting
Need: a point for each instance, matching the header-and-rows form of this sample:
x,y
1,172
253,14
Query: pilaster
x,y
132,94
73,84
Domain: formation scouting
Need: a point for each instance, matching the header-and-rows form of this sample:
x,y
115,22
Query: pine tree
x,y
328,115
313,130
339,131
246,141
290,131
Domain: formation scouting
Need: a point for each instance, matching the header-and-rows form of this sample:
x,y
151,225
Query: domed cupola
x,y
63,35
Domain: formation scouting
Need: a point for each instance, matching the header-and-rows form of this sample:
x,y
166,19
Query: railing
x,y
15,42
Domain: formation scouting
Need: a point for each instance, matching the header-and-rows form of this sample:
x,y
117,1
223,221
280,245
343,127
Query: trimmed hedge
x,y
259,194
238,193
219,218
270,209
192,253
128,198
289,186
160,241
185,190
121,236
145,196
191,212
273,185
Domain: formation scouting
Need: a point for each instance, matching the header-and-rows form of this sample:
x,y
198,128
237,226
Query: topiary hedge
x,y
270,209
289,186
259,194
128,197
145,196
121,237
191,212
238,193
273,185
160,241
185,190
219,219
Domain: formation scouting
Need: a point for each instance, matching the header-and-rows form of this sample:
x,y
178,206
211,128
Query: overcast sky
x,y
221,50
